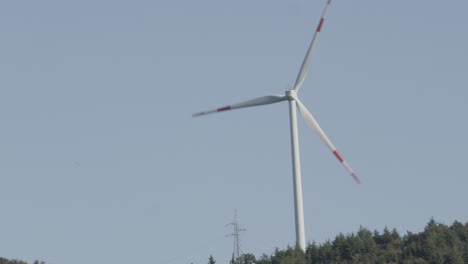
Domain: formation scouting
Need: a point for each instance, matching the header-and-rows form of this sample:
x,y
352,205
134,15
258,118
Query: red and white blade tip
x,y
307,59
346,165
212,111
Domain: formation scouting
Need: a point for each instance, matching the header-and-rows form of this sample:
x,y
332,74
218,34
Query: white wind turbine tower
x,y
294,103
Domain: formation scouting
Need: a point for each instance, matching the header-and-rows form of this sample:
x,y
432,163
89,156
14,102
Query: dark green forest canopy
x,y
14,261
437,244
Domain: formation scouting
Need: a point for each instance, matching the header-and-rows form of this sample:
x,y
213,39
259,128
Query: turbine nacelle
x,y
291,95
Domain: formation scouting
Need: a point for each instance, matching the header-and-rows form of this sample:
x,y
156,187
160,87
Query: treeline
x,y
437,244
14,261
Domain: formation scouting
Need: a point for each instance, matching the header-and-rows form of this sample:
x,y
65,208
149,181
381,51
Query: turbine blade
x,y
310,120
305,64
271,99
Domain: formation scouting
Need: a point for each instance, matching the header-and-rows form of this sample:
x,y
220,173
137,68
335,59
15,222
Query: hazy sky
x,y
101,161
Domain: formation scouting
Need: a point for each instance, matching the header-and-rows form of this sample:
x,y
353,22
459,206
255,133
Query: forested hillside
x,y
437,244
14,261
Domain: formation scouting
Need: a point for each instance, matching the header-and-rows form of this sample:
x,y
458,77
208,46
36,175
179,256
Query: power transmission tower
x,y
236,235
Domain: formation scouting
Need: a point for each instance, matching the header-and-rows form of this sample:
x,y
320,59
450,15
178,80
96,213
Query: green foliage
x,y
15,261
247,259
437,244
211,260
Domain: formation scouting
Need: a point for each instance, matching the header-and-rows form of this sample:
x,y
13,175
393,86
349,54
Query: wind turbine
x,y
294,103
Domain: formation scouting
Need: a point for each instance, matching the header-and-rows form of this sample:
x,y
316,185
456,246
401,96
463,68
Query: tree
x,y
248,259
211,260
13,261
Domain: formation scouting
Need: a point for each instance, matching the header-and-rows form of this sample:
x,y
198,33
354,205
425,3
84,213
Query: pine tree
x,y
211,260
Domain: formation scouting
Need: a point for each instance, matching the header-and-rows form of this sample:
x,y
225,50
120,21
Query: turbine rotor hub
x,y
291,95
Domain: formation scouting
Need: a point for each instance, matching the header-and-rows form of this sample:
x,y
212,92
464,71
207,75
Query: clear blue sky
x,y
101,161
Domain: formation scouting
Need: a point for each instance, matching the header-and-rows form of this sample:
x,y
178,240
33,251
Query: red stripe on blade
x,y
337,155
320,25
223,108
356,178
